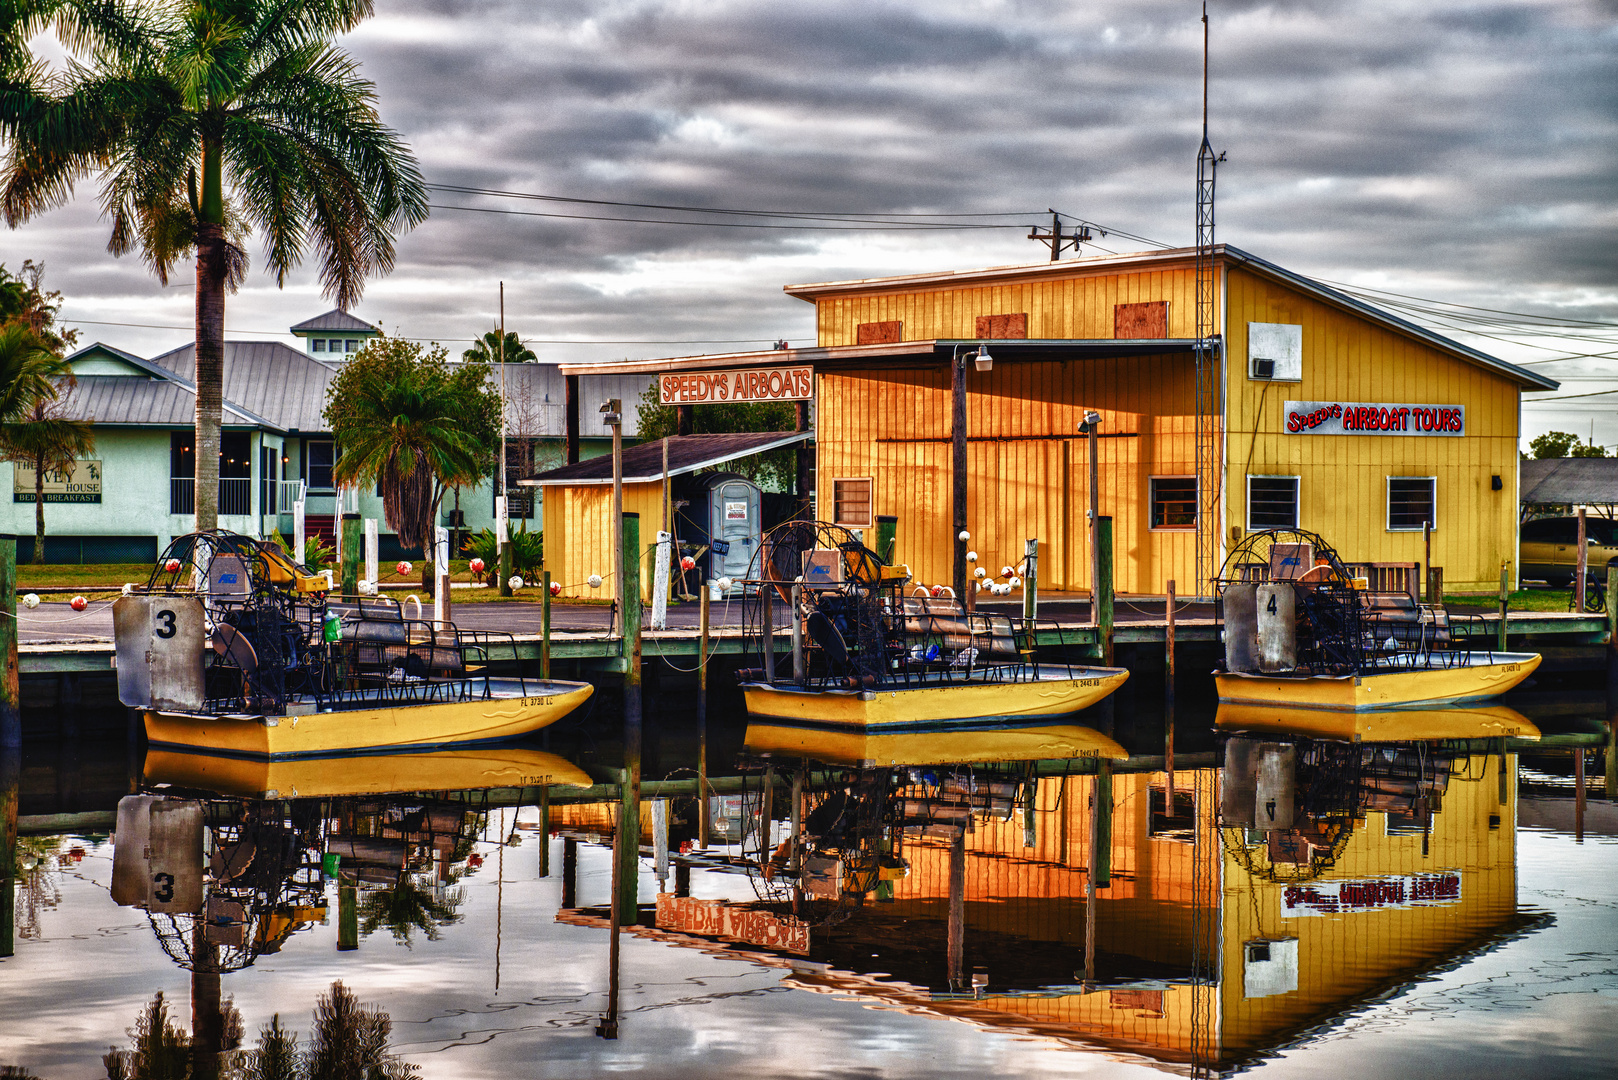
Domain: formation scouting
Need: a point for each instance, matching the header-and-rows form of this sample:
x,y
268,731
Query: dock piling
x,y
702,720
544,625
957,905
545,831
10,691
352,552
627,898
800,668
10,785
348,915
1168,697
1101,856
1103,590
570,873
1030,584
1579,584
1505,590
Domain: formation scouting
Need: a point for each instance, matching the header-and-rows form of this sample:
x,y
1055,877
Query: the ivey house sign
x,y
80,483
1373,418
745,384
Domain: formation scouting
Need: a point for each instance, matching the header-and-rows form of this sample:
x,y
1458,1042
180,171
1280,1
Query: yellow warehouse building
x,y
1328,414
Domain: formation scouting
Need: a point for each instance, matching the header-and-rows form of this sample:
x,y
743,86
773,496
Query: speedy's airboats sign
x,y
745,384
1373,418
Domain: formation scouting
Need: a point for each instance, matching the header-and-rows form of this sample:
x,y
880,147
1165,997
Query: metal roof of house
x,y
336,319
536,400
1575,481
138,400
266,378
643,463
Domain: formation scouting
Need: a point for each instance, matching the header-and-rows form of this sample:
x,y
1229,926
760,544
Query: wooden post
x,y
702,719
570,873
766,600
545,831
353,549
10,784
1103,590
957,905
1067,515
887,536
10,691
1168,697
1505,588
348,914
1030,586
608,1027
1579,585
1612,683
504,584
795,827
1578,794
619,548
1101,829
628,898
1426,596
571,408
804,461
958,468
1435,585
766,815
660,842
545,625
1095,524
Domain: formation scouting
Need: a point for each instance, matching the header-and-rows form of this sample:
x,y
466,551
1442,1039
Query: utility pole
x,y
1059,241
502,527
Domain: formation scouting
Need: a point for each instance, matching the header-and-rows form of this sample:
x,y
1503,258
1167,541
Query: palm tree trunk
x,y
210,357
39,509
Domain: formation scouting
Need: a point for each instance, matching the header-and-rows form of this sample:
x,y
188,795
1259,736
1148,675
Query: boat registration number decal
x,y
1089,682
1511,667
538,701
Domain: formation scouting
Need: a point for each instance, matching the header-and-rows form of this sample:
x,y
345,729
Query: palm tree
x,y
409,423
28,371
205,119
486,349
46,440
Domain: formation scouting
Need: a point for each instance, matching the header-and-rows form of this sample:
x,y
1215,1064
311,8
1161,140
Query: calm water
x,y
1403,926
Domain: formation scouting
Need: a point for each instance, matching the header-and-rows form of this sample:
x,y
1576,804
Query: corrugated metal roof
x,y
1103,264
335,319
687,453
266,378
135,399
1570,480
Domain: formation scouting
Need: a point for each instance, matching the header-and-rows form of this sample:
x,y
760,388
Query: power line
x,y
917,226
525,341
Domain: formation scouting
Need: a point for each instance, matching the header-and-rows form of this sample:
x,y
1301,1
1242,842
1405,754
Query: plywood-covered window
x,y
1412,502
1272,503
879,333
1174,502
1009,327
1131,322
851,501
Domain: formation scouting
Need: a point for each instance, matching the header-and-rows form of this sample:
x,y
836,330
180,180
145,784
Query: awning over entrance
x,y
643,463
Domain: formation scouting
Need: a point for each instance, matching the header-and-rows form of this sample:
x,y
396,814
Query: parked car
x,y
1550,549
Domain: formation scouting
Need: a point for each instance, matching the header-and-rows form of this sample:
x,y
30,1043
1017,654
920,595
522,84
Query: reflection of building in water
x,y
1380,863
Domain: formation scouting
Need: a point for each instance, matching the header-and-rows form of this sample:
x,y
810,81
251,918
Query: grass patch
x,y
105,575
1521,600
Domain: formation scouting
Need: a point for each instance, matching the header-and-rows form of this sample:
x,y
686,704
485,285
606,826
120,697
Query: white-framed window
x,y
351,345
1412,502
851,501
319,344
1272,503
1173,502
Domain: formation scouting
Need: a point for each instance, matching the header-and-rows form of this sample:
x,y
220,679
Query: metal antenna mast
x,y
1207,350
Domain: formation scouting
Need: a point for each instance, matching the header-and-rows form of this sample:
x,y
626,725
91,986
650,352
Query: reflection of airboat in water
x,y
1302,629
868,659
294,674
225,879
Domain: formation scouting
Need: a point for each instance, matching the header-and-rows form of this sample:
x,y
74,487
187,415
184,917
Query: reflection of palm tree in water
x,y
406,907
348,1040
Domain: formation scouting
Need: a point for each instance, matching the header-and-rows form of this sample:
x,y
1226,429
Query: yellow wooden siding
x,y
1022,418
1345,956
1076,305
1343,478
578,535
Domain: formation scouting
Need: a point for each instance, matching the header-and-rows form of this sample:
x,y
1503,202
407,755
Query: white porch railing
x,y
288,492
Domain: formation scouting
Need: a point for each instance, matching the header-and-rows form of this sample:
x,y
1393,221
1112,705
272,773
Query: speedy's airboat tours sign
x,y
746,384
1373,418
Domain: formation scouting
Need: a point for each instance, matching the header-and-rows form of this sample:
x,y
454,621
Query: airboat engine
x,y
1261,627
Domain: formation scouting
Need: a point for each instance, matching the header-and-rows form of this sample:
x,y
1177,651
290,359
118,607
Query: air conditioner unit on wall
x,y
1263,369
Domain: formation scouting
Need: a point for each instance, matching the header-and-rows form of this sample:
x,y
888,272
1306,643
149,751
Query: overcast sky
x,y
1462,151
